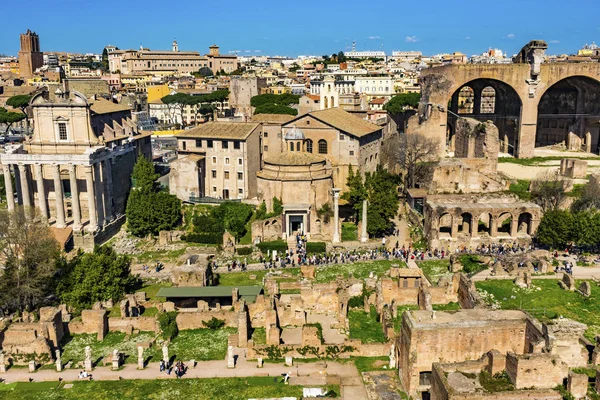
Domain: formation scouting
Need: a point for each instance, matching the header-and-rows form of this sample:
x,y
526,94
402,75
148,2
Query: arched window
x,y
332,102
291,146
326,102
322,146
297,146
309,145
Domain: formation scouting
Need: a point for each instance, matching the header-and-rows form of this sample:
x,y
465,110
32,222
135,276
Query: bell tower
x,y
175,46
30,56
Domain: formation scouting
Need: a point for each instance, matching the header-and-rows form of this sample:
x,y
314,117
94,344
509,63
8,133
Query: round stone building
x,y
303,181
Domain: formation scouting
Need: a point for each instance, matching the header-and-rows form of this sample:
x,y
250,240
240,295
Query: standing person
x,y
162,365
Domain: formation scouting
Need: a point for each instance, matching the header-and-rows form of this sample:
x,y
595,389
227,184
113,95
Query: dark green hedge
x,y
244,251
316,247
278,245
205,238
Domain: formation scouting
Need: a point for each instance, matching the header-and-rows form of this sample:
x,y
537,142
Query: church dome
x,y
294,134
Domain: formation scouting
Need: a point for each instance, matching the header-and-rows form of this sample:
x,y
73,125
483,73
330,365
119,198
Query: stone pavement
x,y
311,373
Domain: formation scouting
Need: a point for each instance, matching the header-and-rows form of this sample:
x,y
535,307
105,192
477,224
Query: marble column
x,y
364,236
89,183
99,194
24,177
75,206
59,194
108,190
18,185
41,190
493,226
336,216
10,194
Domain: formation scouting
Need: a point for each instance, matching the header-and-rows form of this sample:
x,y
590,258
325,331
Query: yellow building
x,y
157,92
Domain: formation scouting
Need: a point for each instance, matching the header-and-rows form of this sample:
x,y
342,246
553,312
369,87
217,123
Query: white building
x,y
375,86
406,56
366,54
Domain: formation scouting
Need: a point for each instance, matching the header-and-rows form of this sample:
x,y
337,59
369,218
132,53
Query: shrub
x,y
356,302
205,238
244,251
316,247
349,232
278,245
168,325
214,323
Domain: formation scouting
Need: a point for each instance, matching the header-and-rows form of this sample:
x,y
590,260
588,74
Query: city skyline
x,y
437,29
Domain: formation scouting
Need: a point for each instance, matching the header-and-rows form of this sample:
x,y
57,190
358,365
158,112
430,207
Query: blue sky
x,y
288,27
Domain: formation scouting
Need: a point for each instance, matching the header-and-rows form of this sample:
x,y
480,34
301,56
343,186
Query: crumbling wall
x,y
535,370
194,320
147,324
467,293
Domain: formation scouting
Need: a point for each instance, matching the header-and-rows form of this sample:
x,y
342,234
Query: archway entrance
x,y
571,105
488,100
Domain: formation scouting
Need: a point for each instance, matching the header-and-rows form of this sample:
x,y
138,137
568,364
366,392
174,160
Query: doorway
x,y
226,194
296,224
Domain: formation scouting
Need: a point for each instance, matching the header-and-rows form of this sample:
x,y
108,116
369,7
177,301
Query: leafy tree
x,y
277,206
235,217
382,189
284,99
214,323
555,229
9,118
21,102
149,210
325,213
402,102
589,200
341,57
356,193
203,72
275,109
105,59
549,190
261,211
167,323
586,228
29,252
96,276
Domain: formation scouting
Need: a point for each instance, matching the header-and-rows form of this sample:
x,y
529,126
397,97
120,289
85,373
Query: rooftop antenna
x,y
353,45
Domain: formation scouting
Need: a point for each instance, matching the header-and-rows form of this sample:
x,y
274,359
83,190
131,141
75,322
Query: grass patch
x,y
365,364
149,256
452,306
500,382
152,289
242,278
74,346
349,232
259,336
289,291
537,160
359,270
548,303
366,326
398,319
198,389
521,189
434,270
200,344
471,264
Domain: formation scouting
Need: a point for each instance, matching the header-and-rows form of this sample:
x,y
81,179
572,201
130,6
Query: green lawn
x,y
453,306
151,256
192,389
349,231
241,278
365,326
198,344
359,270
259,336
398,319
364,364
548,303
537,160
434,269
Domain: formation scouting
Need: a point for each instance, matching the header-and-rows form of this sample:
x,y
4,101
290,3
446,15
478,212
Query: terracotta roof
x,y
378,101
314,97
272,118
221,130
102,106
294,158
344,121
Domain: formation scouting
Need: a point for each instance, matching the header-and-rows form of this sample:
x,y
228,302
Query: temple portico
x,y
73,190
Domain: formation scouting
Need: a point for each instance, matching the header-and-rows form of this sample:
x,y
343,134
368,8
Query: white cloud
x,y
411,39
257,51
555,41
374,37
468,38
511,36
247,51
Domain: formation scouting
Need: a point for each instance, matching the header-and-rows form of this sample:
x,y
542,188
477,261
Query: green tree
x,y
21,102
149,210
356,193
176,102
105,59
284,99
203,72
586,228
414,153
9,118
382,189
97,276
556,228
235,216
277,207
261,211
549,190
275,109
29,254
402,102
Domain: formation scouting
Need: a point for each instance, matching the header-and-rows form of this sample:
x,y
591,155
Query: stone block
x,y
585,289
32,366
140,297
310,336
168,306
289,361
577,385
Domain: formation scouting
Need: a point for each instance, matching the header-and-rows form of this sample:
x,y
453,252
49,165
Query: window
x,y
226,160
62,131
183,145
241,192
214,189
309,146
425,378
240,162
297,146
214,173
266,134
342,136
351,152
236,145
266,148
209,144
240,176
198,143
225,144
322,146
226,174
214,160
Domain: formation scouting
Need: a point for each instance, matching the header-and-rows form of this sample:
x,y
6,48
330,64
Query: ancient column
x,y
41,191
99,194
165,352
364,236
474,226
108,190
58,193
75,206
493,226
514,226
25,185
336,216
89,183
140,357
88,359
2,365
58,361
18,186
230,357
10,194
454,227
